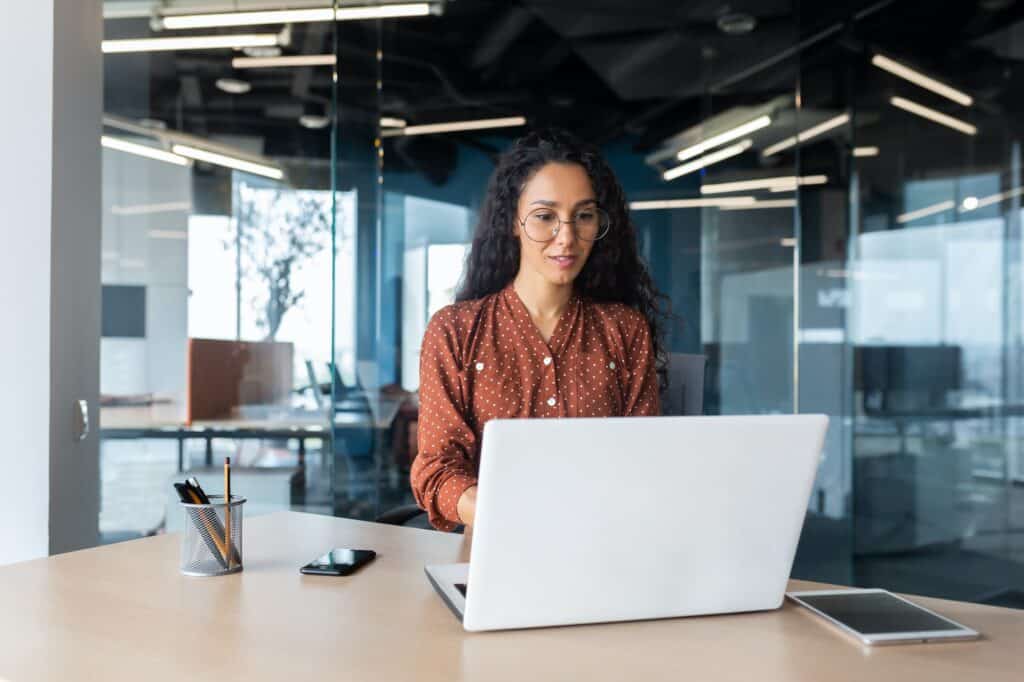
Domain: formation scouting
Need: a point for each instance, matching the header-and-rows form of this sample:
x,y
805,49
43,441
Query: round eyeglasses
x,y
589,223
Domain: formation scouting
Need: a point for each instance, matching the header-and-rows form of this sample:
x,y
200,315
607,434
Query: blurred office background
x,y
830,193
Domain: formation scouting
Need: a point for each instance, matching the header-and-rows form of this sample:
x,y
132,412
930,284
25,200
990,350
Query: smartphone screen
x,y
339,562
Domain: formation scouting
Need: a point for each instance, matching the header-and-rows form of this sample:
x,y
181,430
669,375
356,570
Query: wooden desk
x,y
123,612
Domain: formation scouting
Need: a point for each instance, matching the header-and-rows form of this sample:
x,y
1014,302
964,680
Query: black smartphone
x,y
339,562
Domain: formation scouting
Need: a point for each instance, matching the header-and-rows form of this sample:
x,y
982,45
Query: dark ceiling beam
x,y
494,42
312,43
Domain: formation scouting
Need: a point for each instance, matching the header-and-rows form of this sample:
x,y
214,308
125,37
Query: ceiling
x,y
634,70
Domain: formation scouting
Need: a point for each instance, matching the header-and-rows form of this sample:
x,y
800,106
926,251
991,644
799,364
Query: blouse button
x,y
547,361
611,365
551,402
479,366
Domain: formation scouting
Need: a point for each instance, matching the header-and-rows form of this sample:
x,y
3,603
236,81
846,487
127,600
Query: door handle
x,y
82,419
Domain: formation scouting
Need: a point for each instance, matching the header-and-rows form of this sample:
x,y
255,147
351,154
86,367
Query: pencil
x,y
227,508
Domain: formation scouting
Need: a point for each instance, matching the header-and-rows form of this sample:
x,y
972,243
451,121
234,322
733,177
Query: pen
x,y
227,507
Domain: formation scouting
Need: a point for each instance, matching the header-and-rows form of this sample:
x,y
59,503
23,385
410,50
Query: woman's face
x,y
556,191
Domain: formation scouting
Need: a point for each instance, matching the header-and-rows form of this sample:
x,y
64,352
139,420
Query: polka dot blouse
x,y
485,359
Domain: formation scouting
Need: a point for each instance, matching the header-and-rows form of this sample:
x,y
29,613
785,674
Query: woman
x,y
556,317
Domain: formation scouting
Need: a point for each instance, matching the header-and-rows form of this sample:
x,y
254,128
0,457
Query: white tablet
x,y
881,617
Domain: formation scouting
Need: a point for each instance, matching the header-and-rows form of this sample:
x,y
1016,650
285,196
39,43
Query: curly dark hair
x,y
614,272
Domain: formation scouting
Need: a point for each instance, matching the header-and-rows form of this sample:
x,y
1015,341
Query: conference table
x,y
124,612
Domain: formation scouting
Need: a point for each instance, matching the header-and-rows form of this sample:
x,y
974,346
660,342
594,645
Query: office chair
x,y
682,396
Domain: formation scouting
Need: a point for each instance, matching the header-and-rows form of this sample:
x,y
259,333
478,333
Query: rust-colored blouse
x,y
485,359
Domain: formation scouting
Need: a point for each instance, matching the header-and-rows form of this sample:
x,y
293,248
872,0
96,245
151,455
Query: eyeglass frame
x,y
522,224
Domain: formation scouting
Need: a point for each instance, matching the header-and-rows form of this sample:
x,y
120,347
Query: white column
x,y
50,274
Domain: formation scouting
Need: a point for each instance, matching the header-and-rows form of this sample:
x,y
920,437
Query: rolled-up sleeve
x,y
642,398
446,464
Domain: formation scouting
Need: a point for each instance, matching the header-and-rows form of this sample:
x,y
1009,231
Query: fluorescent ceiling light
x,y
142,150
296,16
991,199
688,203
189,43
728,136
396,11
932,115
707,160
228,161
145,209
968,204
926,211
278,62
455,126
861,152
787,181
788,242
391,122
918,78
168,234
770,203
813,131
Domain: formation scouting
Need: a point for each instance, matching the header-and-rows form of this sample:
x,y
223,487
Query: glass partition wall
x,y
828,195
222,232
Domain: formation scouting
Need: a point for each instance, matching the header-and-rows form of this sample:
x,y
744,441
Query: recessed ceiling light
x,y
264,52
736,23
233,86
314,121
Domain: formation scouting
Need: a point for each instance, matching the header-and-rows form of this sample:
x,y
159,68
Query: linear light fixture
x,y
863,152
926,211
769,203
689,203
142,150
168,234
707,160
392,122
932,115
812,132
296,16
190,43
918,78
145,209
455,126
281,62
786,181
216,159
991,199
727,136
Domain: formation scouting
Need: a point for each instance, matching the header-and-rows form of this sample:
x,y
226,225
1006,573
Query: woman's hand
x,y
466,506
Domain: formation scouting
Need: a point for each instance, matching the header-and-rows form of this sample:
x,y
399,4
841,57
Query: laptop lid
x,y
599,520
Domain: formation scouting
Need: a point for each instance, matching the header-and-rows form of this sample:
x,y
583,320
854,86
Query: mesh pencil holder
x,y
203,548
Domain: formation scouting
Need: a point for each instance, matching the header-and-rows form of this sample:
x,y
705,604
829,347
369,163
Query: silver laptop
x,y
600,520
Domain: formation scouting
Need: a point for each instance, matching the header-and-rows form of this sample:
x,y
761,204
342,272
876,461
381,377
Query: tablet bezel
x,y
911,636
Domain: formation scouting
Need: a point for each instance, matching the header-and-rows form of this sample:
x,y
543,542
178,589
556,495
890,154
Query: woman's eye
x,y
545,217
585,216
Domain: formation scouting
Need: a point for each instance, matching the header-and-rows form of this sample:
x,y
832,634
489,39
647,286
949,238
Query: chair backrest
x,y
684,394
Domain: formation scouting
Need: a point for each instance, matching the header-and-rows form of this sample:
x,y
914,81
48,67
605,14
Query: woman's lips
x,y
564,262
